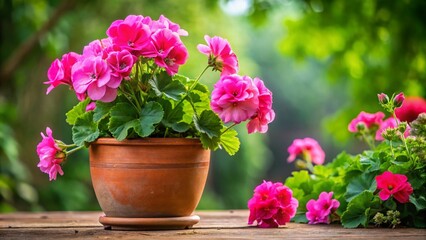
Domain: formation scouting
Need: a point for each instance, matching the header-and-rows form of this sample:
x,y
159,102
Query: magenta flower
x,y
133,34
395,185
51,155
369,120
164,22
92,75
389,123
265,114
399,99
235,98
60,71
221,56
411,109
121,63
171,53
272,205
309,148
319,211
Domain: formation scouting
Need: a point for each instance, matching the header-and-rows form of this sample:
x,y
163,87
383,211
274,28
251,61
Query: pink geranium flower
x,y
164,22
221,56
411,109
171,53
309,148
92,75
60,71
369,120
235,98
265,114
134,34
272,205
51,155
395,185
319,211
121,63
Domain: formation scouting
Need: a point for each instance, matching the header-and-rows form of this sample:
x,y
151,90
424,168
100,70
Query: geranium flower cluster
x,y
132,76
309,150
99,70
366,123
272,205
238,98
320,210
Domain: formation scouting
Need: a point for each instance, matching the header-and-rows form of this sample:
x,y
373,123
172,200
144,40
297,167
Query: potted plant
x,y
149,129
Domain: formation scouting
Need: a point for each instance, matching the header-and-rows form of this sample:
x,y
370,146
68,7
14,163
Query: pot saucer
x,y
170,223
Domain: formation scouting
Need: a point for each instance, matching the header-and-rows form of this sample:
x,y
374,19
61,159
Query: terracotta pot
x,y
150,177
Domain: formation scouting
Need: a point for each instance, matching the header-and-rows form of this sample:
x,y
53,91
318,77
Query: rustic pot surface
x,y
151,177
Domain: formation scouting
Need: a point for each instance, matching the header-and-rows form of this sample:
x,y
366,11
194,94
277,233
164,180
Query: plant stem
x,y
73,150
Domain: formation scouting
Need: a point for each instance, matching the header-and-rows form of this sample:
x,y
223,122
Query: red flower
x,y
411,109
395,185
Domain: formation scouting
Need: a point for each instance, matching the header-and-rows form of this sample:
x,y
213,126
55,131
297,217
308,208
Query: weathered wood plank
x,y
213,225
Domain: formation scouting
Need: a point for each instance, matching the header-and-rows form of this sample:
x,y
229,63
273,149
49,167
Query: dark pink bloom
x,y
265,114
399,99
121,63
309,148
369,120
92,75
60,71
395,185
389,123
221,56
170,51
134,34
411,109
51,155
164,22
272,205
235,98
319,210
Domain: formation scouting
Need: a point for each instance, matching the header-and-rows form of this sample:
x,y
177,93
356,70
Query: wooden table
x,y
213,225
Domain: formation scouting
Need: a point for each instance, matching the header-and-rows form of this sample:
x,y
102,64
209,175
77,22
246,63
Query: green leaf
x,y
124,117
102,110
181,127
172,116
208,123
230,142
151,114
300,217
358,210
357,185
419,203
164,85
77,111
85,130
210,143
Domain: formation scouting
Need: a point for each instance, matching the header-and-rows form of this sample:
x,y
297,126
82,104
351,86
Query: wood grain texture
x,y
213,225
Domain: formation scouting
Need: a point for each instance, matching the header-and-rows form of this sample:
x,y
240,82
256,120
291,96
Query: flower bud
x,y
383,98
402,127
398,100
300,164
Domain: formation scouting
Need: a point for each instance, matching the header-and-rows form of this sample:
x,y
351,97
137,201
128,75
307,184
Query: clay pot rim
x,y
148,141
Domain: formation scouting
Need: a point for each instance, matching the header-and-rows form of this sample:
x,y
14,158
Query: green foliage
x,y
352,179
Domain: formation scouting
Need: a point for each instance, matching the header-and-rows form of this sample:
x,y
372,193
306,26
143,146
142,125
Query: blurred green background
x,y
324,60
